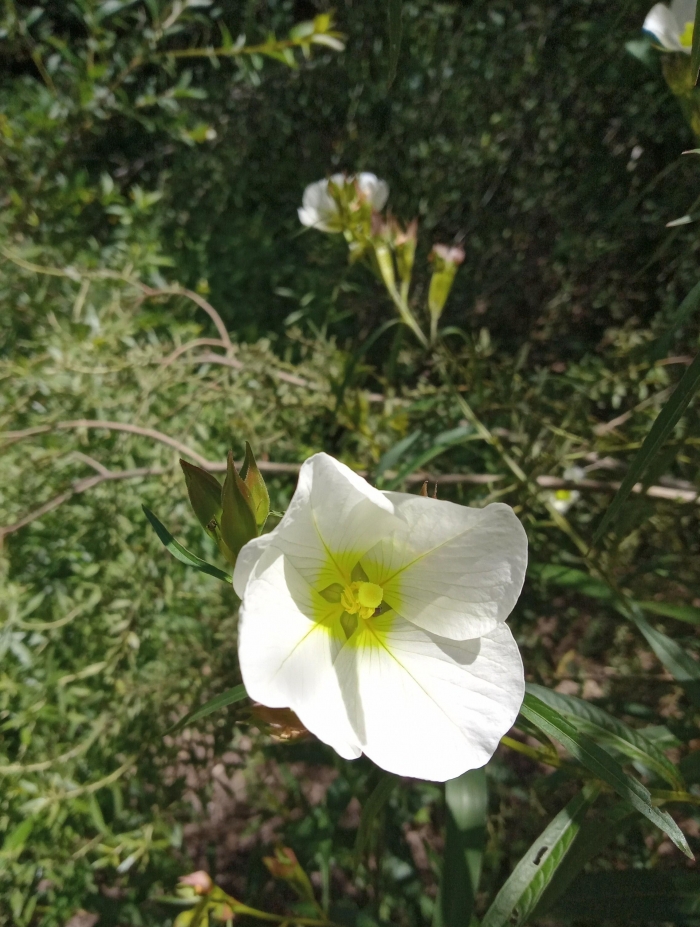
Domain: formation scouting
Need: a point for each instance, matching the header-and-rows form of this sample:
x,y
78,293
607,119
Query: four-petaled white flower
x,y
672,27
320,210
379,618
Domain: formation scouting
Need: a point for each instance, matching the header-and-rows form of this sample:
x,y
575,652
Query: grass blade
x,y
677,661
593,837
602,765
601,726
230,697
660,430
518,898
466,799
695,50
371,810
181,553
395,30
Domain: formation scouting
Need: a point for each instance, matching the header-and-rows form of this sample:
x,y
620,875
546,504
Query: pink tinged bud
x,y
448,254
200,881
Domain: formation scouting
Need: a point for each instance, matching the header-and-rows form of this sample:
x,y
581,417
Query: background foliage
x,y
533,138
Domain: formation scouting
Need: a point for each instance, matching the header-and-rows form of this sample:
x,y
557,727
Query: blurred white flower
x,y
672,27
563,499
379,618
321,210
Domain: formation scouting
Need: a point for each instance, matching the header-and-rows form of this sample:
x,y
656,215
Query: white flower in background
x,y
321,211
379,618
563,499
672,27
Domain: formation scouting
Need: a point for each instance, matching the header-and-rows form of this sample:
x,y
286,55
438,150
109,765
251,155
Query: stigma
x,y
362,599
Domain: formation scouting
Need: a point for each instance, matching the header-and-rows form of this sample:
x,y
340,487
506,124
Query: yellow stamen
x,y
686,36
362,599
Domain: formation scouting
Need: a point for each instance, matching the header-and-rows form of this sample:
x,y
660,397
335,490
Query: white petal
x,y
662,25
288,638
311,219
376,191
425,706
333,519
683,11
319,209
247,560
452,570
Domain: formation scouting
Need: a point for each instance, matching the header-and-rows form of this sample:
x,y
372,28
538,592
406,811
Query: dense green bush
x,y
529,135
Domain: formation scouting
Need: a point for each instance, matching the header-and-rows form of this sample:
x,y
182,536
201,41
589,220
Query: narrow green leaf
x,y
687,613
395,30
604,728
572,578
688,307
466,800
181,553
593,837
695,50
15,840
230,697
677,661
660,430
395,453
637,896
441,443
370,811
602,765
518,898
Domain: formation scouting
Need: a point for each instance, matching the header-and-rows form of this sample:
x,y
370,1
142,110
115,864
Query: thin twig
x,y
80,486
196,343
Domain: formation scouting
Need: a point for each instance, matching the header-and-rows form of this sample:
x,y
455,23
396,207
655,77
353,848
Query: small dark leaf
x,y
204,491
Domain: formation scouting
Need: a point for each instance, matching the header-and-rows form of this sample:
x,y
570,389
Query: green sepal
x,y
237,515
253,479
204,491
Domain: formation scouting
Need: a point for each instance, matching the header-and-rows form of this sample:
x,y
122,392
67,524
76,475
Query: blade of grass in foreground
x,y
518,898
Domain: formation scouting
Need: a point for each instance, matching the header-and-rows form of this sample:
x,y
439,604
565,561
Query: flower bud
x,y
200,881
238,524
259,495
204,491
445,260
405,248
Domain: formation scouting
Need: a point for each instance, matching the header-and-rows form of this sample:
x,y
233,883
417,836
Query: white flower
x,y
379,618
563,499
672,27
320,210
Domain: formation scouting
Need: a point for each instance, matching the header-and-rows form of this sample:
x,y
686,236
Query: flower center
x,y
362,599
686,36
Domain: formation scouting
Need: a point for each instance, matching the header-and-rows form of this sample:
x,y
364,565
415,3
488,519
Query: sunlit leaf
x,y
466,801
602,727
602,765
518,898
181,553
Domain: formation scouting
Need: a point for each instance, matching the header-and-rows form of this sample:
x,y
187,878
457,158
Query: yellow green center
x,y
362,599
686,36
